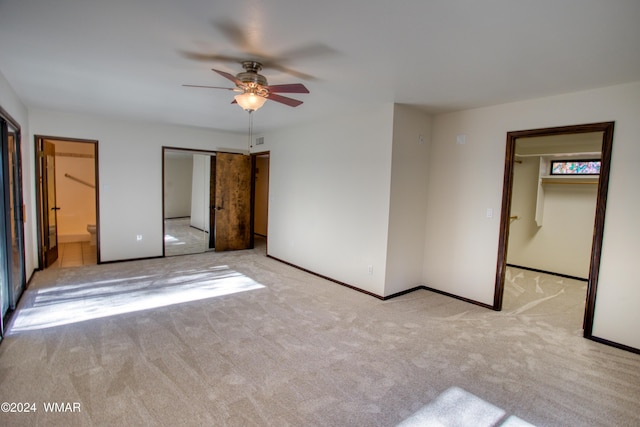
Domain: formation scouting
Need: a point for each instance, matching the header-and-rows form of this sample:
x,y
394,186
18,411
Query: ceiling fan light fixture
x,y
250,101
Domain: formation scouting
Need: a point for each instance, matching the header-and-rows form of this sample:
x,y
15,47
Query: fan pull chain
x,y
250,131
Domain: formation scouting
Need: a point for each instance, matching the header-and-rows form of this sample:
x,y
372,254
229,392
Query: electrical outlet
x,y
370,269
139,237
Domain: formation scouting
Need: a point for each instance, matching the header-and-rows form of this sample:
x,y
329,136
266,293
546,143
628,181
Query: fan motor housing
x,y
249,77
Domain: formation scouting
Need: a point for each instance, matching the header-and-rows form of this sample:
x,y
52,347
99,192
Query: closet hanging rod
x,y
73,178
79,155
567,182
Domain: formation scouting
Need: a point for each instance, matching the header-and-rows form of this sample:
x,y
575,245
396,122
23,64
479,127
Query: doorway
x,y
187,194
206,201
606,132
68,202
12,260
261,165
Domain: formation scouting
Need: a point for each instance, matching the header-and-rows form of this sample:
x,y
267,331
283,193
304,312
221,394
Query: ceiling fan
x,y
253,85
254,88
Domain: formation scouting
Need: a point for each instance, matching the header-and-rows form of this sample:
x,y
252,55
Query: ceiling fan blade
x,y
290,88
307,51
284,100
212,87
234,33
227,76
211,57
274,65
246,41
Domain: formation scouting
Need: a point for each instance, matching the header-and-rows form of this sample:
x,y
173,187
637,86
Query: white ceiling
x,y
122,58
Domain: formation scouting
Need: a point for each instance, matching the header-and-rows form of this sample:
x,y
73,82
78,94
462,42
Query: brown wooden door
x,y
212,202
233,202
50,209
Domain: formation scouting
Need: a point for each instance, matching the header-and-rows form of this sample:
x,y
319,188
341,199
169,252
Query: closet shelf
x,y
573,155
569,179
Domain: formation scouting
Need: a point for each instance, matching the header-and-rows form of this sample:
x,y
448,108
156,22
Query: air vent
x,y
260,141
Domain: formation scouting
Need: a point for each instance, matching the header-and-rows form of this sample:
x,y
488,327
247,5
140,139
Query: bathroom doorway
x,y
67,196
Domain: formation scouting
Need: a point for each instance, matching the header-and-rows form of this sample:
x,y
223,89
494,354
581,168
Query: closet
x,y
555,186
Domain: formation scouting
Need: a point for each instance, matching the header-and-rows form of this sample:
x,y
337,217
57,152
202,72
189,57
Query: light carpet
x,y
286,348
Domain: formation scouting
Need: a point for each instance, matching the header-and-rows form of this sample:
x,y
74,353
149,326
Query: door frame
x,y
254,160
191,151
50,253
212,202
601,201
39,190
13,293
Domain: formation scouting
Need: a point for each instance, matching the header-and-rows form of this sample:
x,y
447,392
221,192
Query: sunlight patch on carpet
x,y
62,305
457,407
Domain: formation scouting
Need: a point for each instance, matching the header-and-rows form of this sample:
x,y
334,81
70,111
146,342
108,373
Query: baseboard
x,y
407,291
467,300
613,344
114,261
355,288
566,276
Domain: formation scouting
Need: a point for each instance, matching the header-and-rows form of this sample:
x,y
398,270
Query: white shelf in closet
x,y
569,179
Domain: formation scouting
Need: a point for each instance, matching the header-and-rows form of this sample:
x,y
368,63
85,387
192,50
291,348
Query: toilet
x,y
91,228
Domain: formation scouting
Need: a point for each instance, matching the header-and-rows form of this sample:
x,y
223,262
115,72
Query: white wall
x,y
329,196
12,105
563,243
464,180
408,206
130,173
178,172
